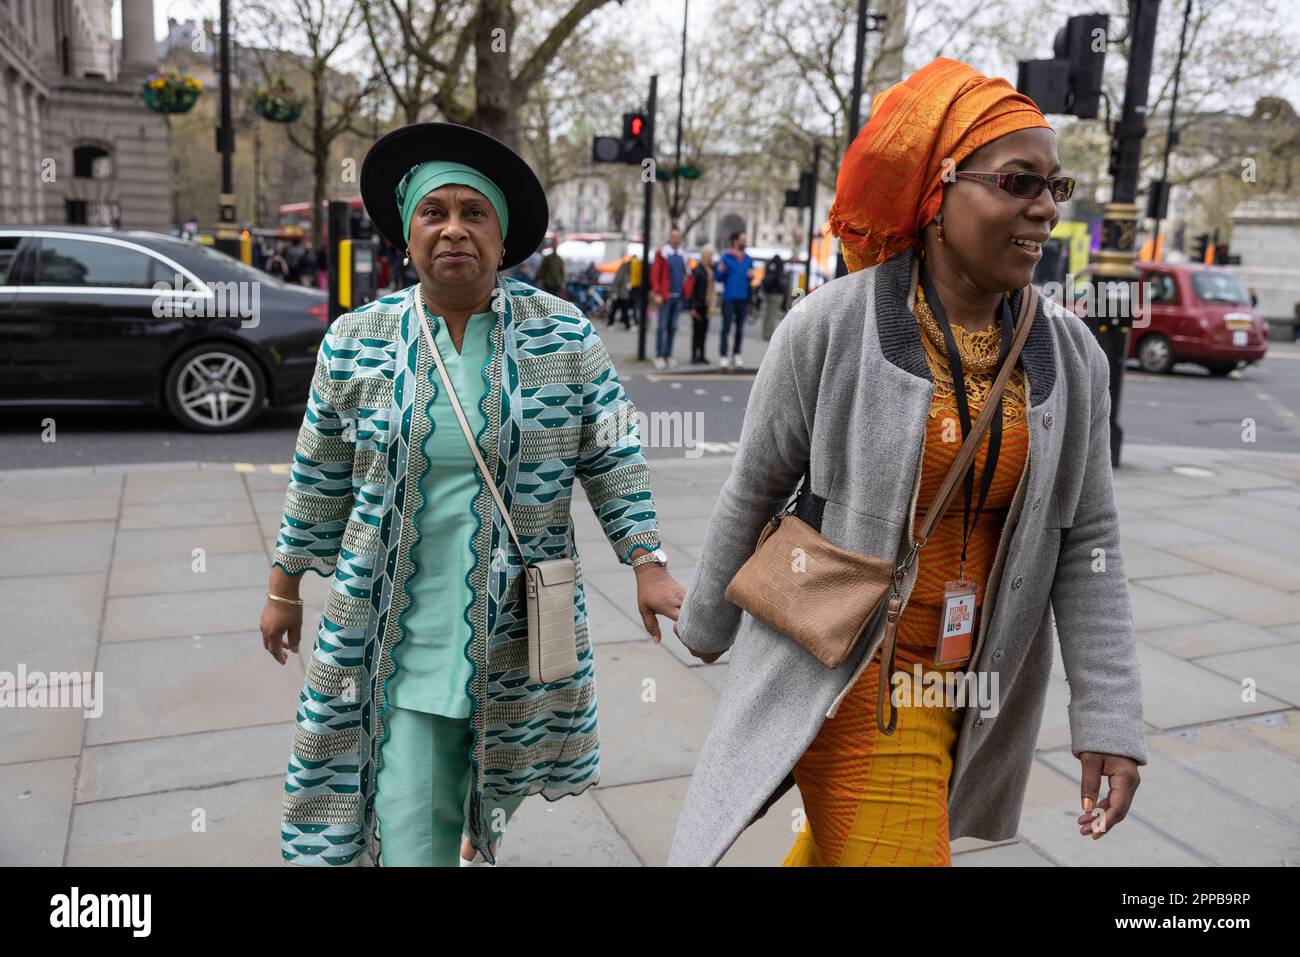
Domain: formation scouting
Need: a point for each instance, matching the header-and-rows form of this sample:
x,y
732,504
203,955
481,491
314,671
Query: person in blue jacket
x,y
733,272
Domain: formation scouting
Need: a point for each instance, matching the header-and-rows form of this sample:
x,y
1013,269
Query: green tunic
x,y
433,671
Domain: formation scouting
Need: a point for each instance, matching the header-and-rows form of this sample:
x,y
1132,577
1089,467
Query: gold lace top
x,y
979,358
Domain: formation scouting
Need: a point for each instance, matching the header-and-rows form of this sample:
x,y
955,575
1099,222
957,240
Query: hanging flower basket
x,y
279,102
168,92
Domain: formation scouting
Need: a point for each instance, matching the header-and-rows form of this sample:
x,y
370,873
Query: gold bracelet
x,y
287,601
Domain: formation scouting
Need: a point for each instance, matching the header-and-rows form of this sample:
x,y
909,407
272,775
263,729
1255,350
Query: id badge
x,y
957,623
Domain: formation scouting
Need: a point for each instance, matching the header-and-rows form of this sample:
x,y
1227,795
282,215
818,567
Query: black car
x,y
126,318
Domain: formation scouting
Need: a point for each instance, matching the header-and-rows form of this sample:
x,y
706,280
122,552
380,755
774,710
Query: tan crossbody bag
x,y
552,647
826,597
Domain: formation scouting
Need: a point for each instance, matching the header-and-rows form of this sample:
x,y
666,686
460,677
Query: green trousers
x,y
422,792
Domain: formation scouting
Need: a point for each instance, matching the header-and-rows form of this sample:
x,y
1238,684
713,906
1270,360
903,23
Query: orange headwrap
x,y
891,178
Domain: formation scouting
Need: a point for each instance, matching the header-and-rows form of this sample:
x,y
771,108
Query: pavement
x,y
185,764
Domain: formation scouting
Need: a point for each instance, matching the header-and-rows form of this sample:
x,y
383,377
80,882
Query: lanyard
x,y
963,409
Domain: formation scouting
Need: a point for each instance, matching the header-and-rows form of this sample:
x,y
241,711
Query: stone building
x,y
77,144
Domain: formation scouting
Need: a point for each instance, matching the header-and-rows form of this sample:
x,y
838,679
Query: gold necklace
x,y
979,355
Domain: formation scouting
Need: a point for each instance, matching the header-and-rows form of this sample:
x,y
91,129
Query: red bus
x,y
298,216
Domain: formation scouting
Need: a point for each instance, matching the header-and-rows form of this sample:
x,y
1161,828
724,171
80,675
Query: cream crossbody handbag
x,y
552,647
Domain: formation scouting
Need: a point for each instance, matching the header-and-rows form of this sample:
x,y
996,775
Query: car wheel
x,y
215,387
1155,354
1221,368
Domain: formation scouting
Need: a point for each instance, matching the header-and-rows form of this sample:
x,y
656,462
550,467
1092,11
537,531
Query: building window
x,y
91,162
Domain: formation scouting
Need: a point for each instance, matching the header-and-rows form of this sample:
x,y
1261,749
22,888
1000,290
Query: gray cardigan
x,y
845,390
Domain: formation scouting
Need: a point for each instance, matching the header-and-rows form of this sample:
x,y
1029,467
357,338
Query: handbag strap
x,y
966,455
464,423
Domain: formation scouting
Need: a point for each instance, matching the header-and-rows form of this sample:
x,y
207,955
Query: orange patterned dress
x,y
875,799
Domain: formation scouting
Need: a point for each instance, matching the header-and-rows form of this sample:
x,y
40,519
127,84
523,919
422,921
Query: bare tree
x,y
489,28
314,32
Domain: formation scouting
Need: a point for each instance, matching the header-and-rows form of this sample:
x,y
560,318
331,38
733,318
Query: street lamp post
x,y
1114,264
867,23
227,238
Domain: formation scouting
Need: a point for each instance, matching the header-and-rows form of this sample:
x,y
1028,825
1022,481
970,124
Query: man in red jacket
x,y
667,283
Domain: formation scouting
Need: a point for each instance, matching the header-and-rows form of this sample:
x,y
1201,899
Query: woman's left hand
x,y
657,593
1122,776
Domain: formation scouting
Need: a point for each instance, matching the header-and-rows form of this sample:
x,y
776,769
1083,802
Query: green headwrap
x,y
422,178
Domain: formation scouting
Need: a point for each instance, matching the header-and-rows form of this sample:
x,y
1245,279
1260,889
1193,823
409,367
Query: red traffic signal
x,y
636,137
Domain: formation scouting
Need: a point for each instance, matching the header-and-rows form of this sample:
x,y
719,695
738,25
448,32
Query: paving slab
x,y
57,548
1003,855
35,806
571,832
1253,776
1232,597
1170,798
231,825
1211,638
198,760
46,511
151,576
1244,561
156,488
654,713
183,514
1153,610
1275,669
172,686
1176,693
1048,824
141,544
173,614
51,622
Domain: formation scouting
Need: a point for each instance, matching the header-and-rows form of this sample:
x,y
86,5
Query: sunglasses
x,y
1026,185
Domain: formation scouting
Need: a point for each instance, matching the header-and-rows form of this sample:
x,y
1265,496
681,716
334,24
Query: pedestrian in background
x,y
701,304
620,294
550,273
276,266
734,272
293,257
773,290
667,280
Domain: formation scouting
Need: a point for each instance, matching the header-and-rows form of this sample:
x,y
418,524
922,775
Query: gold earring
x,y
938,220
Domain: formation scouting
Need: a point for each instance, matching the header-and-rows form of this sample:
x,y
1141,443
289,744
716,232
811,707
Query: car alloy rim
x,y
1156,352
215,388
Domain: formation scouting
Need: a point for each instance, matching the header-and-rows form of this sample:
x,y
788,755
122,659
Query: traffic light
x,y
1202,247
636,138
1082,44
632,147
1070,82
1158,200
801,198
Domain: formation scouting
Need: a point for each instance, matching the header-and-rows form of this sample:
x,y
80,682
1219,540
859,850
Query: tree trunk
x,y
495,102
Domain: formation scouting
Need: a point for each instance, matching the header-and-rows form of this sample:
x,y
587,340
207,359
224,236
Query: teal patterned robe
x,y
555,409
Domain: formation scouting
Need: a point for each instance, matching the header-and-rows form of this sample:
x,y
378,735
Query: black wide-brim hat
x,y
393,155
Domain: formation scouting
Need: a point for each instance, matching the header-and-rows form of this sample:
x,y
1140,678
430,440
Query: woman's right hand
x,y
281,626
